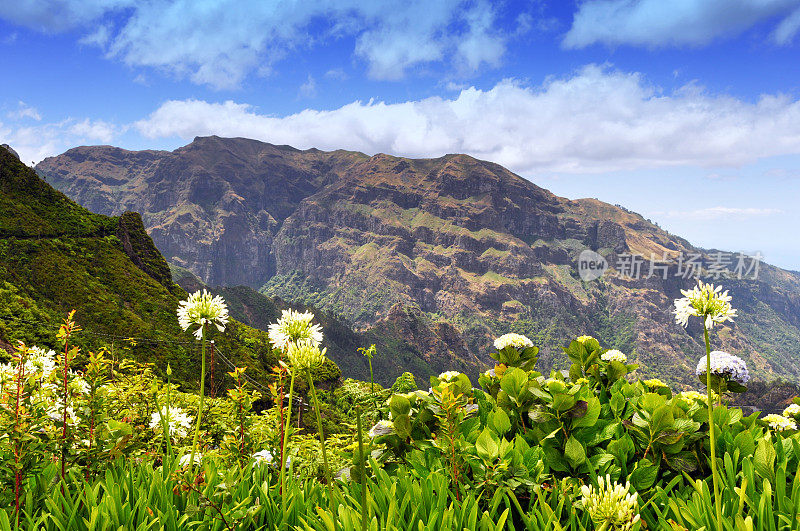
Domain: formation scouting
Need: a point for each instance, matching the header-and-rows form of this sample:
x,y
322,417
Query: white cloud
x,y
597,120
33,143
669,23
24,111
309,88
720,212
220,43
787,29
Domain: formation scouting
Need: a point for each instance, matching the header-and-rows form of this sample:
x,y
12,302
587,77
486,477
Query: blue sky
x,y
686,111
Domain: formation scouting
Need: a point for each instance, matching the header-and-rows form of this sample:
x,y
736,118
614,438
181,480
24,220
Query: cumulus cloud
x,y
674,23
720,212
23,111
220,43
594,121
33,143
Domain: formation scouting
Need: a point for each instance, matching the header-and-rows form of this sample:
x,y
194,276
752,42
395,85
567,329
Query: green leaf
x,y
500,422
593,408
574,452
402,425
745,443
764,459
399,405
514,382
644,476
486,446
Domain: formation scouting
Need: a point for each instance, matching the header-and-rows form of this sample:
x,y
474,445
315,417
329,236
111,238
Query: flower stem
x,y
285,443
328,478
202,393
361,461
711,431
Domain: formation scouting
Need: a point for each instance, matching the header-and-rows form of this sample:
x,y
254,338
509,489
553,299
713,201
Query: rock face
x,y
449,251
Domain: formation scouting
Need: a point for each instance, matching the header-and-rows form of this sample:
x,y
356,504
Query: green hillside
x,y
56,256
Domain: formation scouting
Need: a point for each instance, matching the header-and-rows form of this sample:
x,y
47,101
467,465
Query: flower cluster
x,y
448,376
779,422
727,366
383,427
614,355
706,301
696,396
653,383
264,457
179,422
792,410
292,327
517,341
305,354
187,458
611,506
584,339
202,308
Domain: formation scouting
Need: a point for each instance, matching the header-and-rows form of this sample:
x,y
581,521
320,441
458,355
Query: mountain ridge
x,y
467,243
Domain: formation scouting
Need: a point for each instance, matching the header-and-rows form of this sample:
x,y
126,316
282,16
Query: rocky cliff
x,y
462,248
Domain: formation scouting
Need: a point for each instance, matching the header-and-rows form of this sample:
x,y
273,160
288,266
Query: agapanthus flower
x,y
706,301
654,382
294,326
305,354
517,341
383,427
264,457
202,308
791,410
779,422
724,365
610,505
614,355
449,376
179,422
186,458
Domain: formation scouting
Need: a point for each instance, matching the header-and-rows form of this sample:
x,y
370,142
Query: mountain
x,y
56,256
446,253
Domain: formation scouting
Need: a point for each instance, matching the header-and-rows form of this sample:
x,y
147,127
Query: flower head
x,y
294,326
383,427
654,382
305,354
706,301
202,308
264,457
610,505
179,422
584,339
779,422
726,366
449,376
186,458
792,410
517,341
695,396
614,355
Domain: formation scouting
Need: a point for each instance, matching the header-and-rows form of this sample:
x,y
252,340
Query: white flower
x,y
264,457
305,354
614,355
294,326
517,341
383,427
584,339
724,365
706,301
202,308
610,505
449,376
791,410
186,458
180,424
779,422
